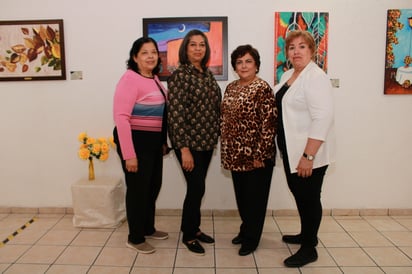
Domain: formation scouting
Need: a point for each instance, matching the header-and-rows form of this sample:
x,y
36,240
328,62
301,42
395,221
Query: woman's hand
x,y
305,167
165,149
258,164
187,159
131,165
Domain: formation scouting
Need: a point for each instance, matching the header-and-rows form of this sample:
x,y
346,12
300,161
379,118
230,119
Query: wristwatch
x,y
309,157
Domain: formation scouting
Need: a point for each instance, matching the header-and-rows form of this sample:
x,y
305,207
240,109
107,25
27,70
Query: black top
x,y
281,131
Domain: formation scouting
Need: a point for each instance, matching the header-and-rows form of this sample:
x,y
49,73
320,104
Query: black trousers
x,y
252,193
142,190
307,194
195,182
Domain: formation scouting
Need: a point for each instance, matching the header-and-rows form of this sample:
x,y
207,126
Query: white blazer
x,y
308,112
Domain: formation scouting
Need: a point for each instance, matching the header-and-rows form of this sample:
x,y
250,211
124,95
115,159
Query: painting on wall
x,y
314,22
398,61
32,50
169,34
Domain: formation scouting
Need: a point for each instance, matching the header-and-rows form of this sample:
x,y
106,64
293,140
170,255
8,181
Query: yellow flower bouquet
x,y
91,147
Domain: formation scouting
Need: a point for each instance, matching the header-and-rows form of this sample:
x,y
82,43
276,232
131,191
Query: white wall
x,y
40,120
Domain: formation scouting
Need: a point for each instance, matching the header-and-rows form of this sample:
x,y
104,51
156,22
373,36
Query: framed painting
x,y
398,61
314,22
32,50
169,34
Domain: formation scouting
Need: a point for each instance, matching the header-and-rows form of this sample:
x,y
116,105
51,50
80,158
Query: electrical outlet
x,y
335,83
76,75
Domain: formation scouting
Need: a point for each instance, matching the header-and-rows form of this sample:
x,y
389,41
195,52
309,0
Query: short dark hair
x,y
137,45
241,51
183,59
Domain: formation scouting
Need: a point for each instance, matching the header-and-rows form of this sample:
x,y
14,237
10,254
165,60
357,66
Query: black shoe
x,y
302,257
292,239
195,247
205,238
244,251
237,240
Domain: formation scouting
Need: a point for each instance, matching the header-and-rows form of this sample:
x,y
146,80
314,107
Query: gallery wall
x,y
42,119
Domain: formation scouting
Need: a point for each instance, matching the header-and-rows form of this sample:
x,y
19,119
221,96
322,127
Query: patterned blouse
x,y
193,109
248,125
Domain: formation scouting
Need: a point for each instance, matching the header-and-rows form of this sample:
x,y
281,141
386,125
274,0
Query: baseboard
x,y
227,212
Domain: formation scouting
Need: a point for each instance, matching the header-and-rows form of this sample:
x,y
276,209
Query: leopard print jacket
x,y
248,125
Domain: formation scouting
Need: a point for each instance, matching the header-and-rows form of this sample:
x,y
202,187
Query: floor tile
x,y
229,258
189,270
68,269
27,268
271,257
278,270
355,225
237,271
397,270
362,270
350,257
370,238
91,238
58,237
385,223
79,255
185,258
336,239
309,269
399,238
41,254
11,253
116,256
348,244
388,256
161,258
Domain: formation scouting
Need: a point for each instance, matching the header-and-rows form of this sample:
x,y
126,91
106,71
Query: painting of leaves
x,y
314,22
31,50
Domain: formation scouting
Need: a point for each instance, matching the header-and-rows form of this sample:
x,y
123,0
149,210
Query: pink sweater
x,y
138,105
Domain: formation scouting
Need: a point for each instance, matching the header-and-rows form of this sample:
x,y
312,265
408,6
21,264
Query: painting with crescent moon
x,y
169,34
398,59
314,22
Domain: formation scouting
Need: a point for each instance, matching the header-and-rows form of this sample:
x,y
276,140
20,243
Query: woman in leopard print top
x,y
248,126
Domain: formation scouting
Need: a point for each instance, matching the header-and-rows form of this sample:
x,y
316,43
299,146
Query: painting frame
x,y
398,52
32,50
168,32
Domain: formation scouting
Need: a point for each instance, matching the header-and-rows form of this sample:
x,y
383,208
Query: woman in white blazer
x,y
305,138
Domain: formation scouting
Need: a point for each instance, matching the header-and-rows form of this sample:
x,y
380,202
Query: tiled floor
x,y
355,244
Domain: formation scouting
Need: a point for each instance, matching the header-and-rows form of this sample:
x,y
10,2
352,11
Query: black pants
x,y
142,190
307,194
195,181
252,193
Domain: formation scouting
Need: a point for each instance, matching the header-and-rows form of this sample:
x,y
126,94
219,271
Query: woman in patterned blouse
x,y
193,122
247,144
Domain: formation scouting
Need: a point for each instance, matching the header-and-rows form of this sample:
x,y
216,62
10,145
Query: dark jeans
x,y
252,193
307,193
142,190
195,181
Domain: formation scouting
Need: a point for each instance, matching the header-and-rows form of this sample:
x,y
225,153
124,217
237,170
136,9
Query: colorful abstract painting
x,y
398,61
314,22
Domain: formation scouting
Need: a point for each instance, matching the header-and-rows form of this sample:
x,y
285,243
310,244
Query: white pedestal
x,y
98,203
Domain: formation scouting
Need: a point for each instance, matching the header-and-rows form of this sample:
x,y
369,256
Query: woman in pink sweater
x,y
140,134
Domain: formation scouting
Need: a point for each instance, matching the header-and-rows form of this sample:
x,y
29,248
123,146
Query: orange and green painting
x,y
314,22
